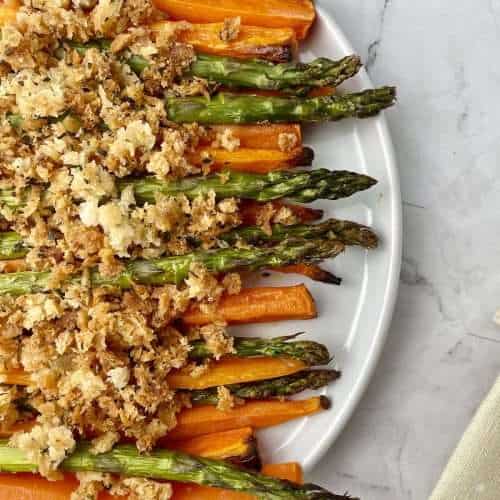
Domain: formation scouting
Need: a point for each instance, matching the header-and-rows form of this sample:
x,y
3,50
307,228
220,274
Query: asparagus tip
x,y
352,64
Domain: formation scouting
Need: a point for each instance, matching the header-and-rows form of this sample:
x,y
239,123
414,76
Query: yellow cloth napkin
x,y
473,472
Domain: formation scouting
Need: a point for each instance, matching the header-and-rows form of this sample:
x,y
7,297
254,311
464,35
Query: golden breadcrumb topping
x,y
82,88
225,400
231,29
286,141
225,139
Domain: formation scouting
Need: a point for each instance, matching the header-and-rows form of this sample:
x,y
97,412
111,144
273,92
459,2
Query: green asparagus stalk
x,y
311,353
169,465
274,388
348,232
12,246
175,269
230,109
255,74
298,185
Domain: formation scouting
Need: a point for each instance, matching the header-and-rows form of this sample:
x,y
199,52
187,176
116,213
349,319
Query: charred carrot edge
x,y
238,446
34,487
258,136
257,305
219,445
201,420
230,370
258,161
311,271
296,14
272,44
234,370
251,211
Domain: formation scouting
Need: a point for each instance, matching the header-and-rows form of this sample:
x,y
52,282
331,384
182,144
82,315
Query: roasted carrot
x,y
201,420
322,91
34,487
259,161
219,445
12,266
230,370
255,305
238,446
312,271
273,44
291,471
251,211
17,427
259,136
296,14
233,370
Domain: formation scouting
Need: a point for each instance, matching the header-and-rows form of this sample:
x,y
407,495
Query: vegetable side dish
x,y
151,154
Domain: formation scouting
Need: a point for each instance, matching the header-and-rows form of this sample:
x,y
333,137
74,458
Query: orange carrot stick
x,y
255,305
233,370
322,91
258,136
296,14
34,487
201,420
230,370
218,445
273,44
17,427
312,271
238,446
251,211
291,472
259,161
12,266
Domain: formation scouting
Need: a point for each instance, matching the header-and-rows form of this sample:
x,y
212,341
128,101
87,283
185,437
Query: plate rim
x,y
395,250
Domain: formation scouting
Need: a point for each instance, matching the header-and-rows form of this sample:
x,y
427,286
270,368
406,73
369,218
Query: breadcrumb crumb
x,y
231,29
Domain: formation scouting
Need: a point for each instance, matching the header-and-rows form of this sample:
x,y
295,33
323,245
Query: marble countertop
x,y
443,350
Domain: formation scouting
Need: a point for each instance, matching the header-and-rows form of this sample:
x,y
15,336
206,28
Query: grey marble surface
x,y
443,350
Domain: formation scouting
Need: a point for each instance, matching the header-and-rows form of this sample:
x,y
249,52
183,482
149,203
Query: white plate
x,y
354,318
